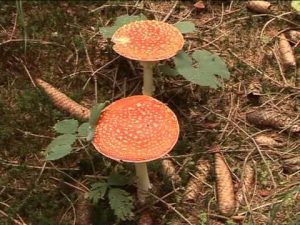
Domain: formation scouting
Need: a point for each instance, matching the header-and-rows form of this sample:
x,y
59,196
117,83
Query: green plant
x,y
203,68
120,201
107,32
70,131
202,218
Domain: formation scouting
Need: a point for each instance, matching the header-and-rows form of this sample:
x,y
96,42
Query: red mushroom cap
x,y
147,40
136,129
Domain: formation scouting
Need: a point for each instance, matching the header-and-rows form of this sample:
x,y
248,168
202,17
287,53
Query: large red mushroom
x,y
148,41
137,129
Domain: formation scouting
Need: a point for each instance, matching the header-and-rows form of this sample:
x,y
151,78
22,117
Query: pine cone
x,y
272,119
61,101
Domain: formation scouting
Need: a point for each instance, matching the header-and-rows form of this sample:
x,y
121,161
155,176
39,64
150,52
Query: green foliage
x,y
202,218
118,180
166,69
83,129
62,145
58,152
66,126
185,27
204,72
230,222
97,192
120,201
108,32
296,5
95,113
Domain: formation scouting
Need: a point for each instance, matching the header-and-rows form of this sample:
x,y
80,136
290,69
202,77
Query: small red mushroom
x,y
148,41
137,129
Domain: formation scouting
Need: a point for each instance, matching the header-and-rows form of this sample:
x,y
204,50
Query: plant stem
x,y
143,182
148,86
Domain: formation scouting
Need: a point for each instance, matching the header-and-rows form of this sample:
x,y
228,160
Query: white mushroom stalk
x,y
148,85
143,181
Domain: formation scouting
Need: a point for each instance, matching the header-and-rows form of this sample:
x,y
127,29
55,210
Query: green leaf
x,y
121,202
97,192
296,5
66,126
95,114
185,27
167,70
125,19
118,180
107,32
60,146
58,151
205,71
65,139
83,129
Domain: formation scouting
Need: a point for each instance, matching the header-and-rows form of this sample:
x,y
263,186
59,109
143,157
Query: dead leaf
x,y
264,193
286,52
259,6
199,5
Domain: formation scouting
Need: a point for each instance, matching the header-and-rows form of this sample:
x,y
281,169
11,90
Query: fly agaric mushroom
x,y
136,129
147,41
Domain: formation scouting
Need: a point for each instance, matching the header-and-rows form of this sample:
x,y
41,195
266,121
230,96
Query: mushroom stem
x,y
143,182
148,86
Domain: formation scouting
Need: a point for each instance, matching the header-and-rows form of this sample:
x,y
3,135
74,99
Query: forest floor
x,y
60,43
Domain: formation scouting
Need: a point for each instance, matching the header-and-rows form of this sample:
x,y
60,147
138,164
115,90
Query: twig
x,y
34,41
72,206
171,207
35,167
67,175
14,28
97,70
170,12
32,134
14,220
91,68
271,20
